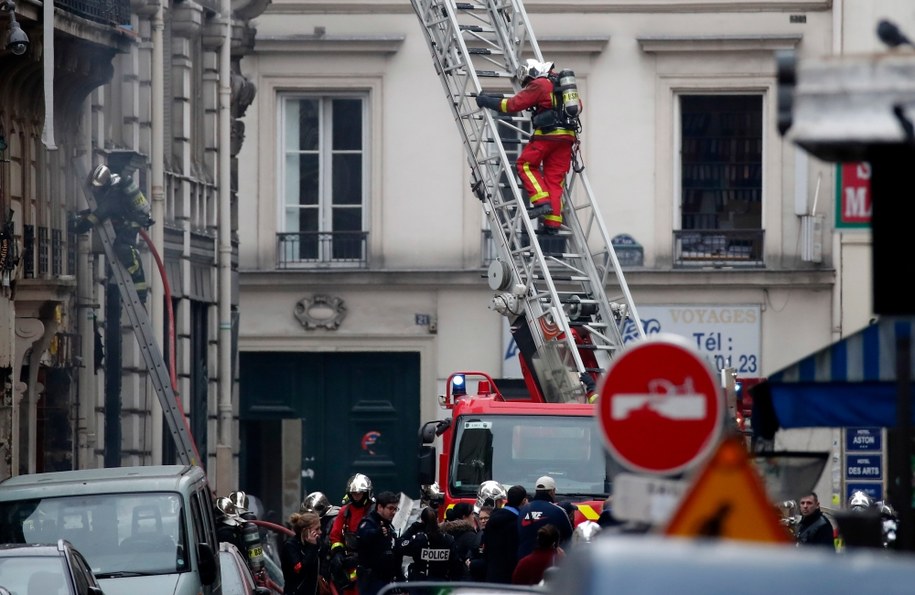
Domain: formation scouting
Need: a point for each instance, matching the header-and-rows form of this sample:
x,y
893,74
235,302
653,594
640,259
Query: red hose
x,y
171,339
273,527
168,306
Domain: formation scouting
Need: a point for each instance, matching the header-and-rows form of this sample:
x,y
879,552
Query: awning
x,y
849,383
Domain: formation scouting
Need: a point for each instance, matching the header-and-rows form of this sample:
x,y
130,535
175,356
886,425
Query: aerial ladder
x,y
546,291
139,319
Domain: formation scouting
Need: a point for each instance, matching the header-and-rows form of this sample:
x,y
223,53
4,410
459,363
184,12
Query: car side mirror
x,y
206,564
95,591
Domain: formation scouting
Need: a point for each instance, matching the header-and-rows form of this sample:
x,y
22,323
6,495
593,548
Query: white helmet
x,y
860,501
359,483
489,490
316,502
102,176
585,532
532,69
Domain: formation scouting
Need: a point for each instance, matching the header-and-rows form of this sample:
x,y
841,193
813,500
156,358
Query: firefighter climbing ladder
x,y
554,292
139,319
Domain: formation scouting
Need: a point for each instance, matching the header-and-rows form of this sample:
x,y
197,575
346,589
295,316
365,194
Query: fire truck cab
x,y
513,441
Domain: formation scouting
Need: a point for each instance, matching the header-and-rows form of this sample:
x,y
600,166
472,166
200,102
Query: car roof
x,y
652,564
12,550
98,481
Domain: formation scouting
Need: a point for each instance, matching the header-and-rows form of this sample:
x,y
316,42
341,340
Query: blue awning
x,y
849,383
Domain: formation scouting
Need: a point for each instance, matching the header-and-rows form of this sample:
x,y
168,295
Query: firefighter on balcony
x,y
547,157
119,199
343,558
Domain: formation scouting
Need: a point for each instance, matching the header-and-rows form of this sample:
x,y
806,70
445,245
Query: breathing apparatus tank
x,y
251,536
568,86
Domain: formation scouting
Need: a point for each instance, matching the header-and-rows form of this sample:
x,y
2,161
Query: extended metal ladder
x,y
559,282
139,319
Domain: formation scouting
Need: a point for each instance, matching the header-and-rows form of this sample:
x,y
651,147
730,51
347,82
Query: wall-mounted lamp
x,y
17,41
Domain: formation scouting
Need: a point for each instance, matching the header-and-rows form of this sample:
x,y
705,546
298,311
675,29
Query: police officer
x,y
434,552
119,199
379,550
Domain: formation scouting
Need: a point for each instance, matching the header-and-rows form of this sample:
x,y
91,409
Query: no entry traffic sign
x,y
660,406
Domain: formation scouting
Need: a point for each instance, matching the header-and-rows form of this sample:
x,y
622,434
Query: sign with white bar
x,y
646,499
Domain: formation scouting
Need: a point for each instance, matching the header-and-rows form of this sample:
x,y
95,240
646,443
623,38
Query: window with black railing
x,y
721,181
324,183
342,248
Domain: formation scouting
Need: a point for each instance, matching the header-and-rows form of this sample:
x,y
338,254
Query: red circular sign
x,y
660,408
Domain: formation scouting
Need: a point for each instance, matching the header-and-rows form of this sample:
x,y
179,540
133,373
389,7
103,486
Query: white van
x,y
142,529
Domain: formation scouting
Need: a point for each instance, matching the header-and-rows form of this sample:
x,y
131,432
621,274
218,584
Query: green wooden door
x,y
359,412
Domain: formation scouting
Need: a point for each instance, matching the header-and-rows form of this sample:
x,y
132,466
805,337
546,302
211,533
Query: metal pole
x,y
112,376
903,445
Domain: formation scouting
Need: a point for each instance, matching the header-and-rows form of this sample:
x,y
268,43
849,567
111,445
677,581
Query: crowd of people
x,y
506,536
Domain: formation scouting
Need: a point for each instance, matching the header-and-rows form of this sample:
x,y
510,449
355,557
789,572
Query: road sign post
x,y
660,409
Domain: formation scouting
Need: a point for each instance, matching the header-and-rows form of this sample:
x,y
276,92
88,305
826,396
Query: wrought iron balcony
x,y
308,249
719,247
109,12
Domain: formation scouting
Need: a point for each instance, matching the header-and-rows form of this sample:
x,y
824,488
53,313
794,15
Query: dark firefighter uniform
x,y
546,159
119,199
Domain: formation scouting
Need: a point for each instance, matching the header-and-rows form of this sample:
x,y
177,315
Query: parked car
x,y
656,565
44,569
236,575
148,529
458,588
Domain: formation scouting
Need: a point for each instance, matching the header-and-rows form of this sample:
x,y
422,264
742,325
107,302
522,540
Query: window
x,y
721,179
323,180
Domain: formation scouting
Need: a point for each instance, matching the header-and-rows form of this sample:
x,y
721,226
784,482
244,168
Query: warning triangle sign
x,y
728,500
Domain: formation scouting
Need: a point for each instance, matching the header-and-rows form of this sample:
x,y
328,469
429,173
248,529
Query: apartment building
x,y
363,258
148,89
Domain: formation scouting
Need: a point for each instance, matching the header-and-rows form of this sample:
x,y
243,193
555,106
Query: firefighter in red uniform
x,y
343,558
545,161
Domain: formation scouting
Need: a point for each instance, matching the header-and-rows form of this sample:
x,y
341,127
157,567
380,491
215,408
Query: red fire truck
x,y
513,440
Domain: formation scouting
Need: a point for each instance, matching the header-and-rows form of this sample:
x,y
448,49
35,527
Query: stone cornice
x,y
321,43
550,6
718,43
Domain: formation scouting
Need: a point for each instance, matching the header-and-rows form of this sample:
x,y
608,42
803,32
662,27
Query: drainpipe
x,y
224,471
157,200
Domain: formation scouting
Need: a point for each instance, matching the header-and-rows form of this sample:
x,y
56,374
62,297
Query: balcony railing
x,y
719,247
115,12
306,249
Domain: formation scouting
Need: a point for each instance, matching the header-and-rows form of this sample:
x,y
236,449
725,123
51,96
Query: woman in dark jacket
x,y
463,528
299,556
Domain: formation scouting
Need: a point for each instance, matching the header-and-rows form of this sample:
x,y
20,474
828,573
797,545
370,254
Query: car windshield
x,y
33,574
117,533
517,449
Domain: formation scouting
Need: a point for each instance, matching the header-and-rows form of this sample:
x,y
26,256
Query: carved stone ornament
x,y
326,311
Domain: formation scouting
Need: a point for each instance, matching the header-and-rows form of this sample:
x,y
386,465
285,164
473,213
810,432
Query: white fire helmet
x,y
359,483
532,69
860,501
102,177
489,490
316,502
585,532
